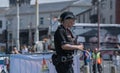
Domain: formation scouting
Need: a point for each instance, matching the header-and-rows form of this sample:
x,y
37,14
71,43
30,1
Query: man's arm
x,y
72,47
65,44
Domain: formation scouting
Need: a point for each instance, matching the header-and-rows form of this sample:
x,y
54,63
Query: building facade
x,y
47,13
3,31
117,11
108,9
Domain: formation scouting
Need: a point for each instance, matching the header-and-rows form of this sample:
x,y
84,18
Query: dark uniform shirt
x,y
63,36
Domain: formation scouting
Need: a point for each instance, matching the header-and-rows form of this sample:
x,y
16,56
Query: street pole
x,y
7,50
18,24
30,34
37,22
98,12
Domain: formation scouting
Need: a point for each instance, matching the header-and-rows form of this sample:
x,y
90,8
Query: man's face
x,y
69,22
111,39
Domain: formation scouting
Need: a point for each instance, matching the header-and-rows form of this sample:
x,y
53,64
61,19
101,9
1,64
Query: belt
x,y
66,58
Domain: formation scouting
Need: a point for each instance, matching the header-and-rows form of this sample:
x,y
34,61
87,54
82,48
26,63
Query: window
x,y
13,2
41,20
79,18
21,22
111,4
104,4
83,18
103,20
89,13
10,36
111,19
0,23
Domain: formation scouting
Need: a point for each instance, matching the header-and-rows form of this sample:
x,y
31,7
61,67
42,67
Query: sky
x,y
5,3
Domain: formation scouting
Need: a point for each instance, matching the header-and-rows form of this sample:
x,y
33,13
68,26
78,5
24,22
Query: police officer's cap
x,y
67,15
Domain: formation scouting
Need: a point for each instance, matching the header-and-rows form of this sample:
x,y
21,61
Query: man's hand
x,y
80,47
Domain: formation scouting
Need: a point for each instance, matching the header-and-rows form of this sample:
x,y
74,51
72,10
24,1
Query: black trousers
x,y
99,68
64,67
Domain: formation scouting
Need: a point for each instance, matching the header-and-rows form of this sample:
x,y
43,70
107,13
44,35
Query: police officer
x,y
64,43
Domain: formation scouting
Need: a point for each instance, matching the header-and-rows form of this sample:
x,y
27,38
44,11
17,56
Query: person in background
x,y
87,56
45,45
14,51
24,49
97,61
64,44
116,59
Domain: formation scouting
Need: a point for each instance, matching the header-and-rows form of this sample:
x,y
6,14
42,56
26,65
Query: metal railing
x,y
4,63
107,67
107,64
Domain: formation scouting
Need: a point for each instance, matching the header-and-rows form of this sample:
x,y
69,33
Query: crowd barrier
x,y
37,63
107,67
41,63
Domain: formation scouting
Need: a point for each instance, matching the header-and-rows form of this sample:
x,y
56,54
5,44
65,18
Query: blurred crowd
x,y
37,47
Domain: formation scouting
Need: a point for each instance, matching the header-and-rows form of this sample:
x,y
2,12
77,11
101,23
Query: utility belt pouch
x,y
55,60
